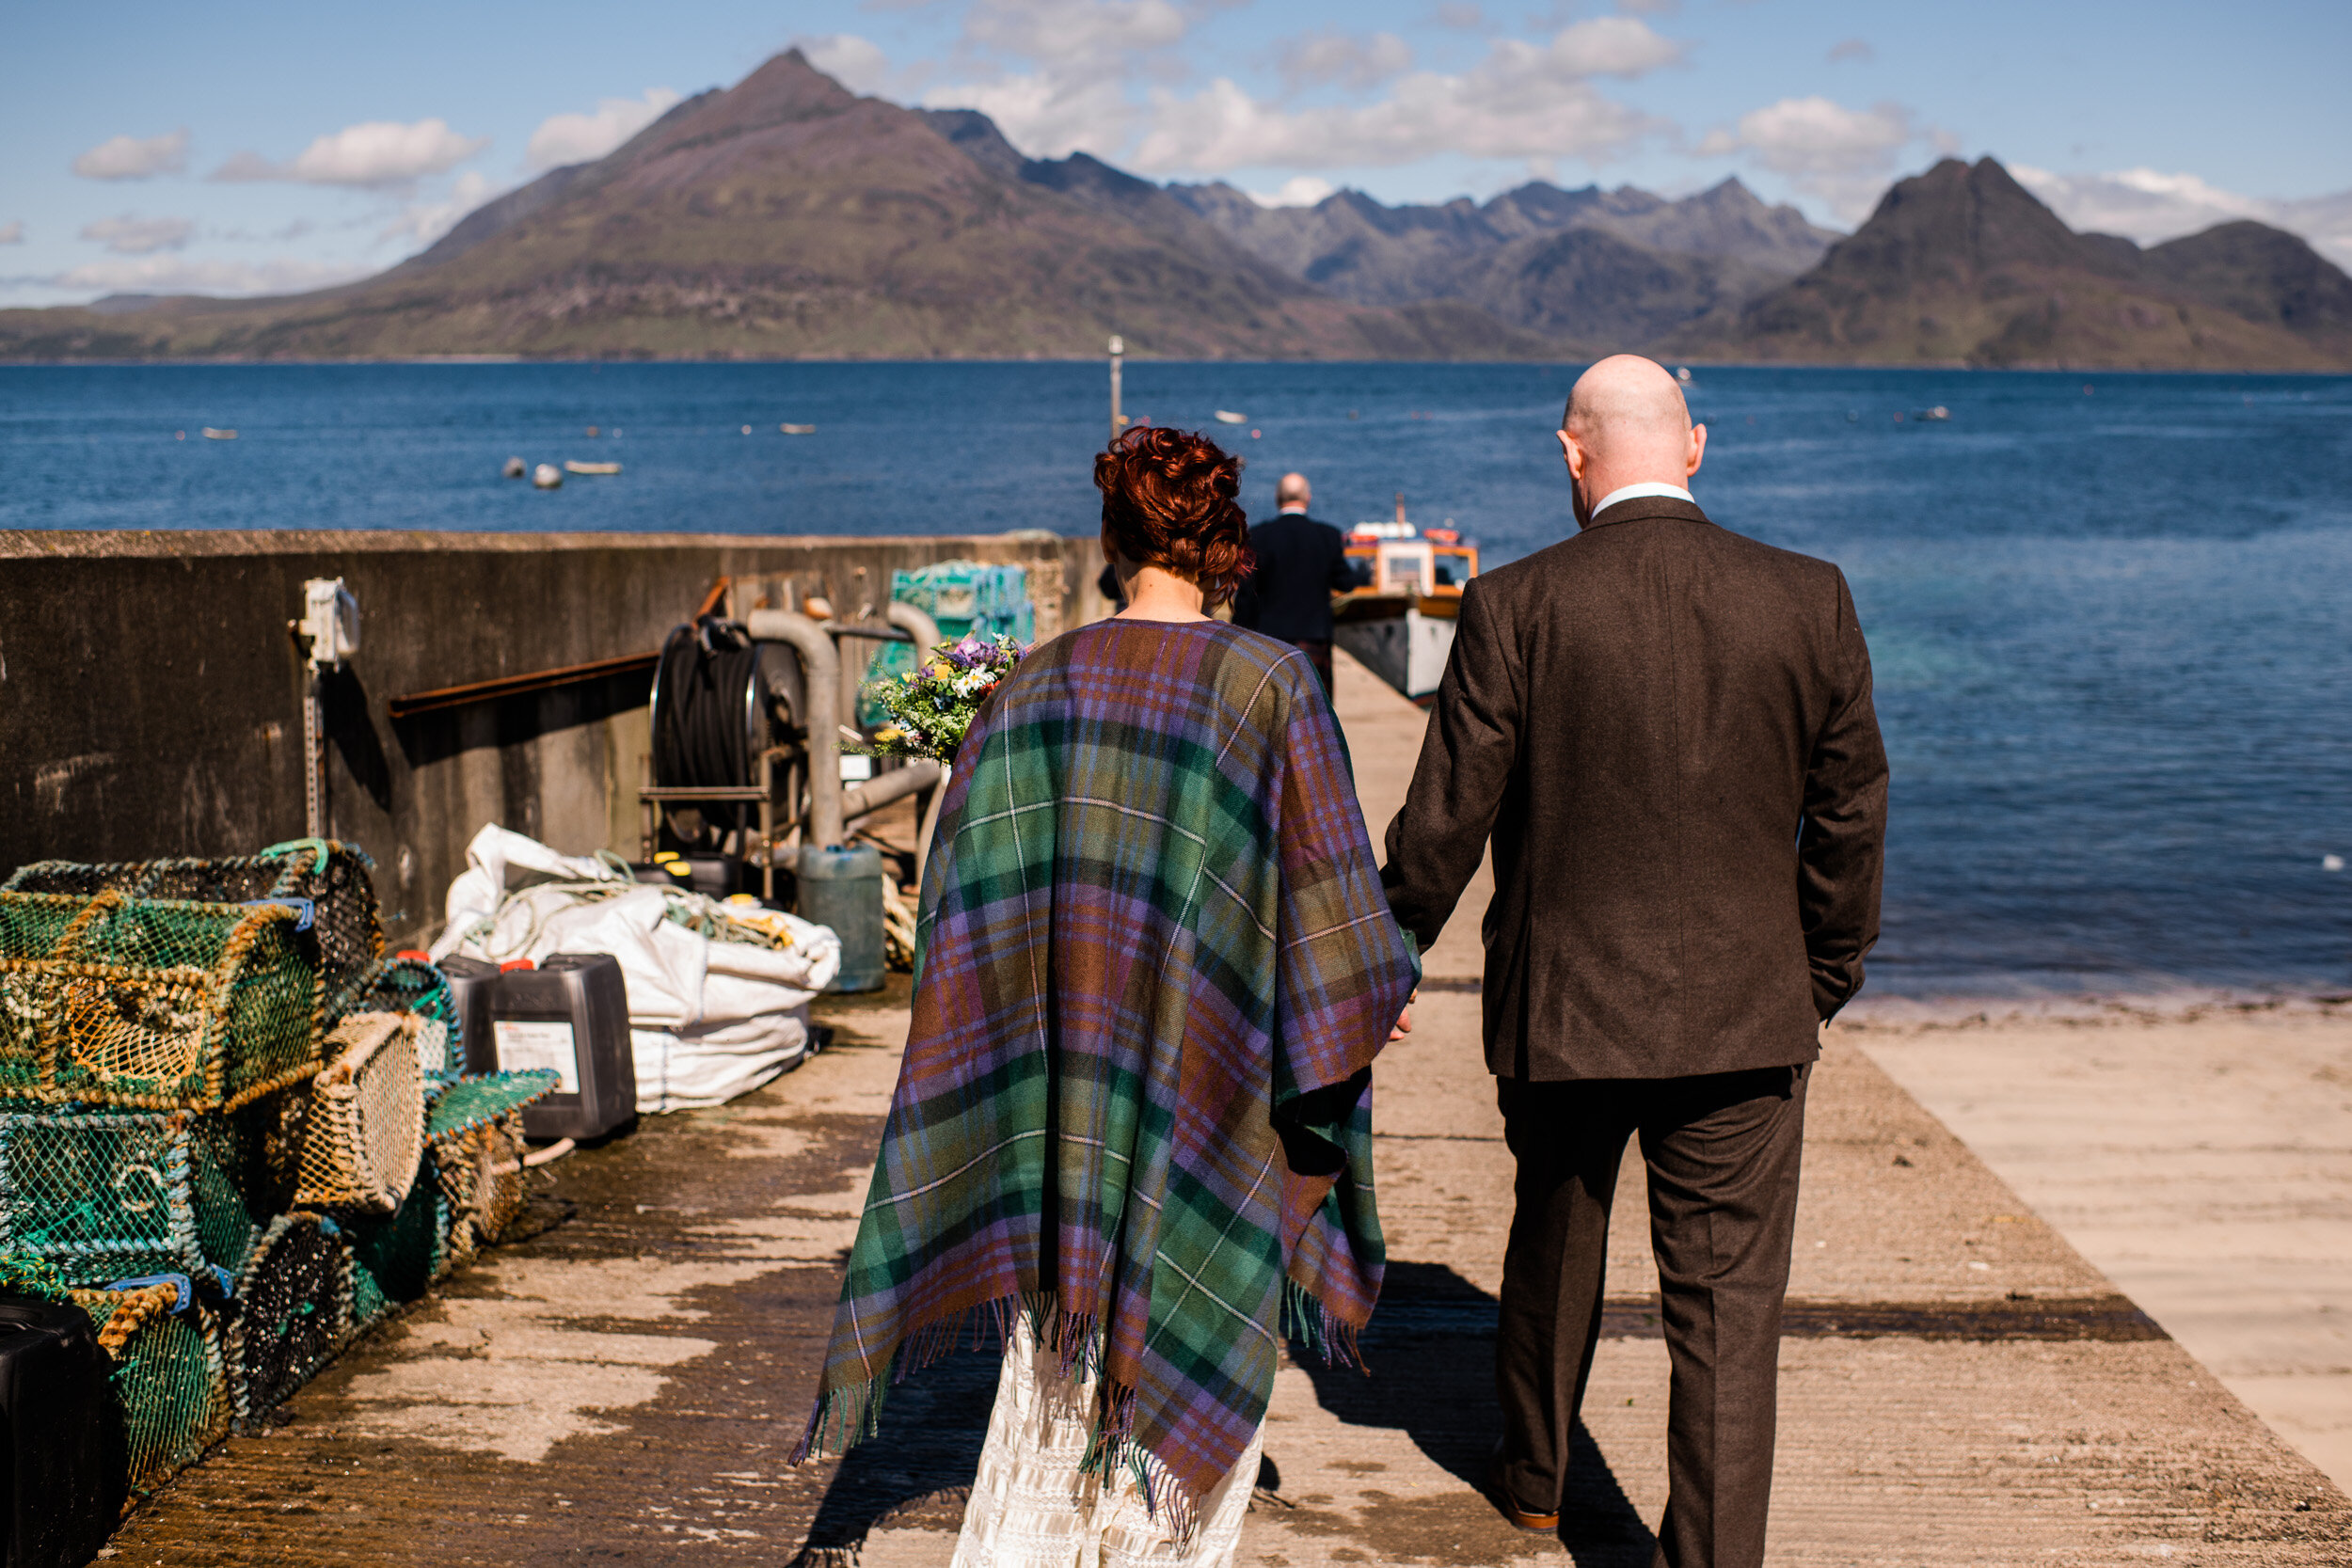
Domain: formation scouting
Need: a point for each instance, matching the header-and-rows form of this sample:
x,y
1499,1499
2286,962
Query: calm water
x,y
2110,626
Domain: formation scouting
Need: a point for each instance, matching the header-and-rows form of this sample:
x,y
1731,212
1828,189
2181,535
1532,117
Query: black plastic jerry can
x,y
61,1437
472,983
571,1014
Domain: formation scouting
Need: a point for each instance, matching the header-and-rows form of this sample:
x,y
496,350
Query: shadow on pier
x,y
1431,1354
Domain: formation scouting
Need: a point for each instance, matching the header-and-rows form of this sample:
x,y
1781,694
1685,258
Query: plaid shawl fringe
x,y
1154,790
847,1416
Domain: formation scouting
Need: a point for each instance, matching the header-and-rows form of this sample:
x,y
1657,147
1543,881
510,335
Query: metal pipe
x,y
915,624
917,776
820,682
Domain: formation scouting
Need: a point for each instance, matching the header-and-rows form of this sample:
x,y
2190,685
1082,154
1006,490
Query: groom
x,y
1665,729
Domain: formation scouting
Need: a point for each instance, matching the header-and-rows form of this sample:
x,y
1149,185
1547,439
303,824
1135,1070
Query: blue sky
x,y
236,148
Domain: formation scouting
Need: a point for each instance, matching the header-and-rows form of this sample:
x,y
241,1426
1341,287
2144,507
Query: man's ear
x,y
1574,453
1698,450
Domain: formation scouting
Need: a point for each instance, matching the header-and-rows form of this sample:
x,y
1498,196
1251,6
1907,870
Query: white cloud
x,y
2150,206
579,139
379,154
1072,95
1313,58
12,233
1299,190
1856,50
1047,117
858,64
172,275
133,235
1523,101
427,221
1843,156
1074,34
134,157
1460,15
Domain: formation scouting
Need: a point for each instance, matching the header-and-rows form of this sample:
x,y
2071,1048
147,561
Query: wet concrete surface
x,y
623,1382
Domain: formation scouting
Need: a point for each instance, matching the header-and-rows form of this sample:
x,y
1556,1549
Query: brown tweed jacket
x,y
1667,730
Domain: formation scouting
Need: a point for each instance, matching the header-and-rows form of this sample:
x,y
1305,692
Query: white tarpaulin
x,y
710,1018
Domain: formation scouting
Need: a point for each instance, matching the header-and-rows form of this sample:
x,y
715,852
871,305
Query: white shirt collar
x,y
1635,492
1292,512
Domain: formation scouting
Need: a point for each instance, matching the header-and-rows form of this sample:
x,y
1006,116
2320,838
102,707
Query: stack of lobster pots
x,y
232,1131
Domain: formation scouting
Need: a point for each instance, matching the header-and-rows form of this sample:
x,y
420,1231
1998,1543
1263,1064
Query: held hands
x,y
1405,1019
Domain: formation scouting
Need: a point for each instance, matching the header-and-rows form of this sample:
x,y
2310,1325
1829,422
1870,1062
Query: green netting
x,y
368,1301
104,1194
168,1376
332,878
472,1102
400,1255
154,1003
415,985
290,1313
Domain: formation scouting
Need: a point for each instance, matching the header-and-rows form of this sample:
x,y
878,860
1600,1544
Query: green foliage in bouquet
x,y
931,706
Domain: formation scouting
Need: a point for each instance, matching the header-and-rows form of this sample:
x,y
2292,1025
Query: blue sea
x,y
2111,614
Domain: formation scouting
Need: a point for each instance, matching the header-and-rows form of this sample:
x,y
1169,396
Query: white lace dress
x,y
1031,1508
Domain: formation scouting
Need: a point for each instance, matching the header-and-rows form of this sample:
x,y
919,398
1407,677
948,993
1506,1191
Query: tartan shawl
x,y
1156,963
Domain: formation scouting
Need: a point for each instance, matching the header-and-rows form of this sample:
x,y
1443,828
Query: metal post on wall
x,y
1119,353
330,628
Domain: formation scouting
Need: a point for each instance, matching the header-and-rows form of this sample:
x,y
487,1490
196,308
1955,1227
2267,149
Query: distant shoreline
x,y
1695,365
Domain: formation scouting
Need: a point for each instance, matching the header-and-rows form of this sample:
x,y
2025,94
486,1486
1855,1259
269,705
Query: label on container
x,y
528,1043
855,769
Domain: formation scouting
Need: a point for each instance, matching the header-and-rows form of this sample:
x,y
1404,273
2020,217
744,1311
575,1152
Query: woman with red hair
x,y
1133,1126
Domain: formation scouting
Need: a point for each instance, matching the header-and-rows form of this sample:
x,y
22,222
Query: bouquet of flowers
x,y
931,706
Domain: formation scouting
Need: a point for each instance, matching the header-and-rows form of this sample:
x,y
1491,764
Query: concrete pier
x,y
1959,1385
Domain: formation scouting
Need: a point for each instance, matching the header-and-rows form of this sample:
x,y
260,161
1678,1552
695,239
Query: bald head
x,y
1626,423
1291,490
1625,403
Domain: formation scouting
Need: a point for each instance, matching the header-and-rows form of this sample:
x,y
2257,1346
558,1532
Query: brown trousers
x,y
1723,1154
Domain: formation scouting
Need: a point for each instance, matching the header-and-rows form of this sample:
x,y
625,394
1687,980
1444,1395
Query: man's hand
x,y
1405,1019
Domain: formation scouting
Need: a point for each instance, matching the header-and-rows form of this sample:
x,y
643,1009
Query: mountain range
x,y
788,217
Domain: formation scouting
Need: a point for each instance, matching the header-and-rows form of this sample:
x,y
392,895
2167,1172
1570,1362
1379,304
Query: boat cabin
x,y
1396,557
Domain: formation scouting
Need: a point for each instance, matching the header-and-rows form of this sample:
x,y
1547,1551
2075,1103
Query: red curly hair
x,y
1168,502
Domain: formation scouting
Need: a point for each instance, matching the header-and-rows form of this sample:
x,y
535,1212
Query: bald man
x,y
1666,730
1301,564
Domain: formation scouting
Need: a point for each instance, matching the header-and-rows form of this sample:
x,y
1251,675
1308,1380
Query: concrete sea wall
x,y
152,691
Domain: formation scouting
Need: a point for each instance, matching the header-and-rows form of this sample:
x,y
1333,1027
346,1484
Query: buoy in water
x,y
516,468
798,429
547,476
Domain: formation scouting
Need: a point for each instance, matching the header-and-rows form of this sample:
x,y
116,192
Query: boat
x,y
1226,416
798,429
573,465
212,435
1936,415
1398,621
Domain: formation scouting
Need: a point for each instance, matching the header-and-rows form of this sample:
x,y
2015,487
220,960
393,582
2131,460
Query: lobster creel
x,y
364,1129
101,1196
291,1314
169,1376
153,1005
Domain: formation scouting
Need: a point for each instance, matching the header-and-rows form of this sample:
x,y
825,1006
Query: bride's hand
x,y
1405,1019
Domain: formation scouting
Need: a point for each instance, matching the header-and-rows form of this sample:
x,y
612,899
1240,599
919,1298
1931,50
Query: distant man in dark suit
x,y
1665,729
1301,564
